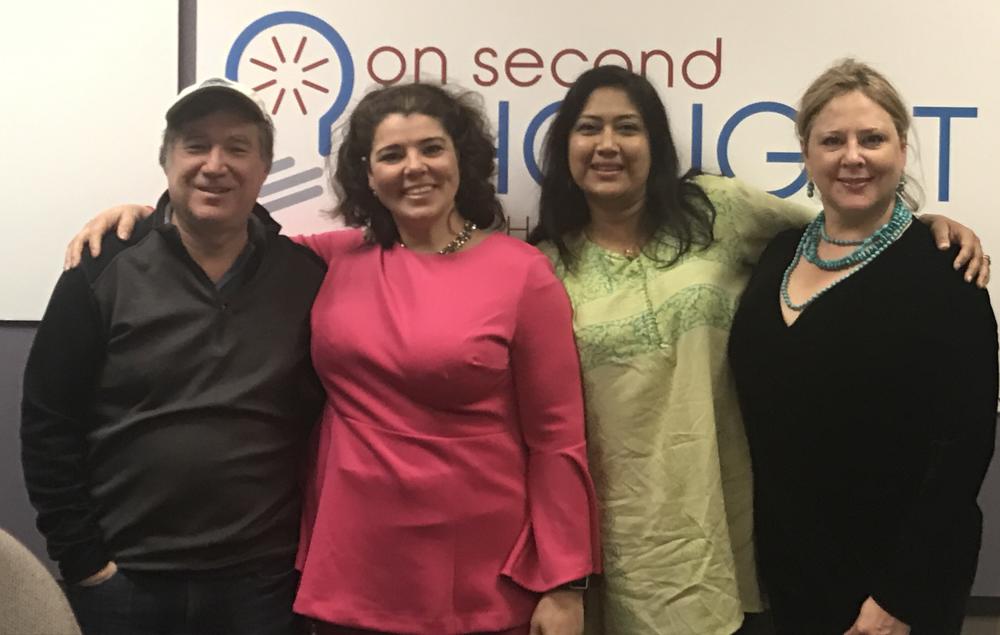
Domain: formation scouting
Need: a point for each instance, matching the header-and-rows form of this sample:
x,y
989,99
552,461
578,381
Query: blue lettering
x,y
530,161
697,134
772,157
945,114
503,146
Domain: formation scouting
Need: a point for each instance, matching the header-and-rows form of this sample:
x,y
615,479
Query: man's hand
x,y
874,620
559,612
101,576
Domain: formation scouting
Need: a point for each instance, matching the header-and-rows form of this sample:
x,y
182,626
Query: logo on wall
x,y
302,68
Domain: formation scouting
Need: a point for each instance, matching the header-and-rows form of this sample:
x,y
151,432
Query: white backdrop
x,y
726,57
743,64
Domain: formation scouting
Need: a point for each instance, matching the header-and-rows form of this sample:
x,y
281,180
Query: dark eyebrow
x,y
393,146
631,115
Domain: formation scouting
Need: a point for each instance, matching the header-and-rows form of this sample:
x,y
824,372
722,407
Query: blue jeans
x,y
156,603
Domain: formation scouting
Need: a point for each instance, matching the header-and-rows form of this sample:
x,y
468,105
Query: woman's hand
x,y
559,612
124,217
946,232
874,620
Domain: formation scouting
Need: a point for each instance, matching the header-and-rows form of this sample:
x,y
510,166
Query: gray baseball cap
x,y
216,85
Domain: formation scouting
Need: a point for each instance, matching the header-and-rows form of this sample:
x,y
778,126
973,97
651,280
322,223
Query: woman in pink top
x,y
451,492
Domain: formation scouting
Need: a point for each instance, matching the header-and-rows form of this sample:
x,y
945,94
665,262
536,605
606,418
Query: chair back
x,y
31,602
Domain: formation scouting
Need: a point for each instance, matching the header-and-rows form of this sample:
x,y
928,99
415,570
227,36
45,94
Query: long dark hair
x,y
675,208
462,118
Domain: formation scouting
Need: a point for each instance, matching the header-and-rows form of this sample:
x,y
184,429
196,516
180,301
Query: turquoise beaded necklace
x,y
842,242
867,250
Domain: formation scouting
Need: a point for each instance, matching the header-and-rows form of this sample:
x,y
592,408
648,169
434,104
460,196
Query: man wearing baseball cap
x,y
169,394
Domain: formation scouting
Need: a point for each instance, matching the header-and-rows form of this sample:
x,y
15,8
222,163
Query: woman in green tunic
x,y
654,264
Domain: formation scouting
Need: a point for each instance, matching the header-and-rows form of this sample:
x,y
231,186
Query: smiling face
x,y
215,170
855,156
609,149
414,169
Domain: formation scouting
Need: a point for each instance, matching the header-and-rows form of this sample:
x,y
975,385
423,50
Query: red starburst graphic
x,y
271,67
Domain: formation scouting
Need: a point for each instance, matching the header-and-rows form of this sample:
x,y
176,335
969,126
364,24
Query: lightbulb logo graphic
x,y
304,71
295,60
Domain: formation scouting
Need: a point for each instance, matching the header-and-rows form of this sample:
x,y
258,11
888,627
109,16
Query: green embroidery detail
x,y
695,306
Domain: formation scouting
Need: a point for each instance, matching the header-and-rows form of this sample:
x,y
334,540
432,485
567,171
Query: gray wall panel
x,y
988,577
16,514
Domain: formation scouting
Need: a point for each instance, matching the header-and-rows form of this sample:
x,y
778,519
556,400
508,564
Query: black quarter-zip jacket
x,y
164,421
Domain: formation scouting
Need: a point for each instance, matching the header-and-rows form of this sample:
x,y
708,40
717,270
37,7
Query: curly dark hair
x,y
676,209
460,114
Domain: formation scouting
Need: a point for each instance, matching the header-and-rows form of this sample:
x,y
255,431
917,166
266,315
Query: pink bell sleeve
x,y
560,541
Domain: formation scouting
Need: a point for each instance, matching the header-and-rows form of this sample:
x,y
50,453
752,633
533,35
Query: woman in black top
x,y
868,447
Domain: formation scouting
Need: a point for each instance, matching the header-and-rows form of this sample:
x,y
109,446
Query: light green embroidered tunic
x,y
667,448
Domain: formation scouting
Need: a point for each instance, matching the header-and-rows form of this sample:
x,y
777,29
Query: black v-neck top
x,y
871,422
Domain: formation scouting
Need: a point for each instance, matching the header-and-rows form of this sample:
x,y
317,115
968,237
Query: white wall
x,y
85,87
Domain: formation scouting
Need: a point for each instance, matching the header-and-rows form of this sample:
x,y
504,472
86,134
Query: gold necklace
x,y
458,241
631,253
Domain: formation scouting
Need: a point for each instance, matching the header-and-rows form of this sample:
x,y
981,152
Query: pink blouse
x,y
451,484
